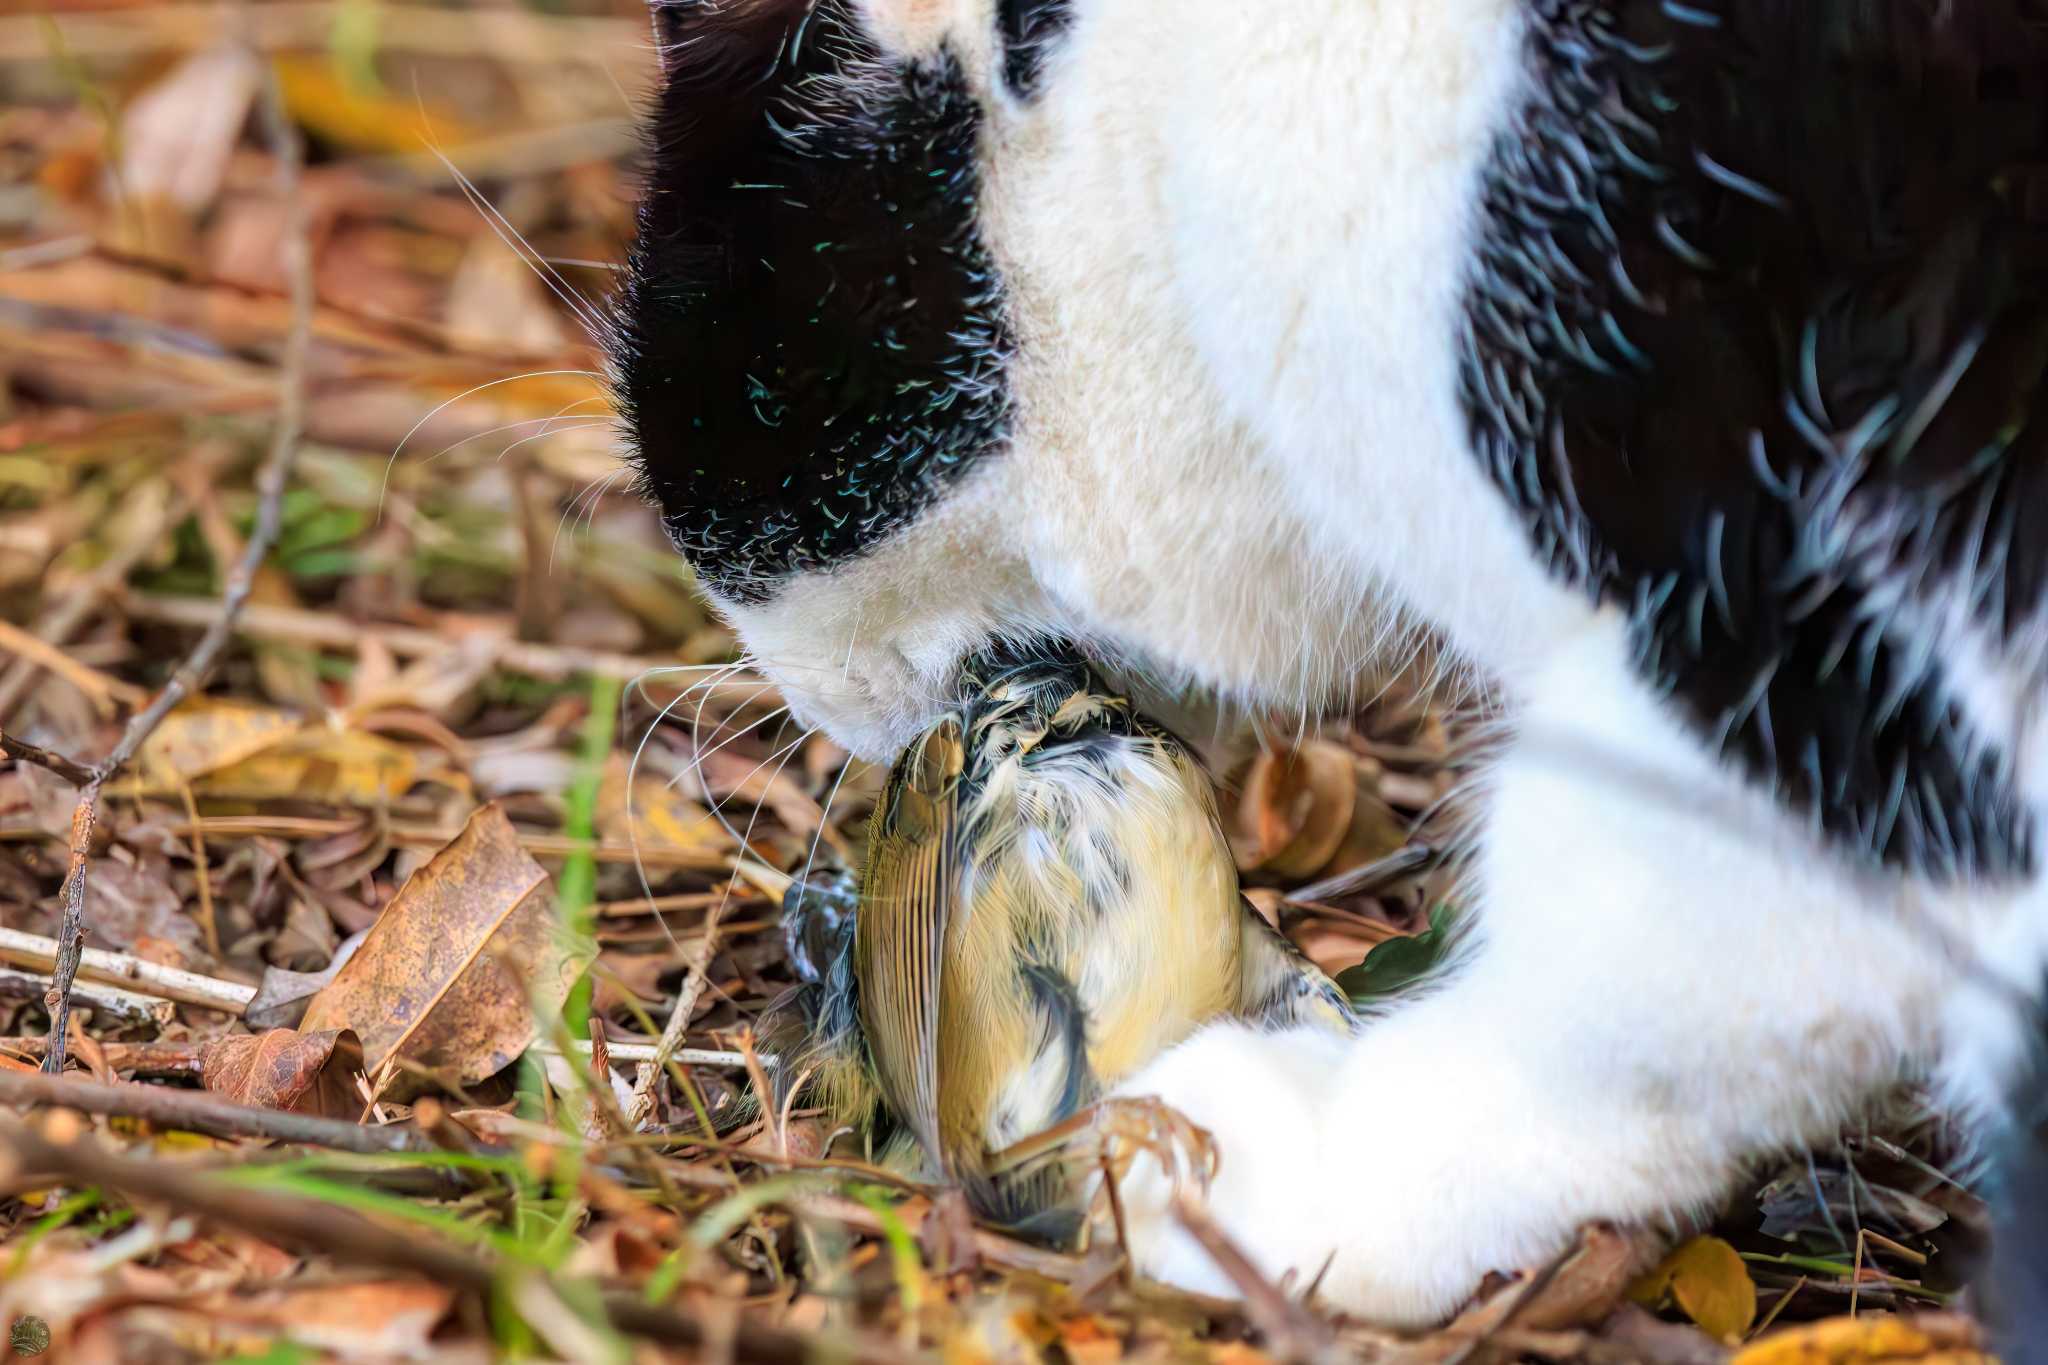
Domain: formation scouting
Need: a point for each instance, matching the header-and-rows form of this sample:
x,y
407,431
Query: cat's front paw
x,y
1257,1100
1311,1184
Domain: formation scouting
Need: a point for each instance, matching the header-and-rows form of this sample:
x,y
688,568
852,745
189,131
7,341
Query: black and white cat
x,y
1678,364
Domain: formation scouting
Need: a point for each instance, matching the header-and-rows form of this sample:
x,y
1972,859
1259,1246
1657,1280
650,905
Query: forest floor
x,y
419,974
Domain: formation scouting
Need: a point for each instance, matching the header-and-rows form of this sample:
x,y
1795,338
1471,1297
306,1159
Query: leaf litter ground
x,y
419,973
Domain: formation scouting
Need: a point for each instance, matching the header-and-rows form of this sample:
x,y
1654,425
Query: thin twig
x,y
77,774
183,1058
283,141
672,1033
196,1111
1292,1330
127,970
109,1004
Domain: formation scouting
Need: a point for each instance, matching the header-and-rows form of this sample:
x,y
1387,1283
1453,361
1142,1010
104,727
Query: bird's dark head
x,y
902,360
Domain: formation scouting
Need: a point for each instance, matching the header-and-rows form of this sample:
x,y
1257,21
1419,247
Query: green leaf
x,y
1399,962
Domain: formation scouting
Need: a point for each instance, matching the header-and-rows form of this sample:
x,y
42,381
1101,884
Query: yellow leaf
x,y
1709,1282
659,817
1877,1339
204,735
337,767
361,120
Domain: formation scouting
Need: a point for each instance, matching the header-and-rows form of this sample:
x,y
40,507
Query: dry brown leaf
x,y
1087,1341
311,1073
127,902
451,973
1295,808
381,1319
1312,809
282,996
497,300
1709,1282
177,138
258,753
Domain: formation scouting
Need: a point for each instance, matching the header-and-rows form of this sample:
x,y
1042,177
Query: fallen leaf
x,y
1934,1339
177,138
257,753
361,119
127,903
1087,1342
1709,1282
453,970
381,1319
1295,807
310,1073
205,734
658,814
336,767
1312,810
496,300
1399,961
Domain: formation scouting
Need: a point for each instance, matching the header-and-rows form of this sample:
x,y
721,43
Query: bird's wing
x,y
906,904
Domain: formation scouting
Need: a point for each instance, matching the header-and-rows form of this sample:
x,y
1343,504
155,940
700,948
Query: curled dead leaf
x,y
451,974
311,1073
1311,809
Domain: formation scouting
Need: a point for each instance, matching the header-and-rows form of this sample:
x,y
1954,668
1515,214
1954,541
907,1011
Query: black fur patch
x,y
1029,29
810,341
1756,345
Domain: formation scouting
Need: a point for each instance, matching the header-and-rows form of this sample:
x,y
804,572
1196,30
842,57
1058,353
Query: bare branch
x,y
197,1111
77,774
285,149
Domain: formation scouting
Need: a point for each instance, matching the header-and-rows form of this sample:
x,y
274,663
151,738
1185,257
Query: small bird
x,y
1047,903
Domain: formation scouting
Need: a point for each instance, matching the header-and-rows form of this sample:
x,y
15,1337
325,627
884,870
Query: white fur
x,y
1233,236
1669,979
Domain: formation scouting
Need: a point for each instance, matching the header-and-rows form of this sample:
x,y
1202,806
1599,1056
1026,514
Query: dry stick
x,y
283,141
1292,1331
196,1111
123,969
108,1003
77,774
349,1237
185,1058
698,972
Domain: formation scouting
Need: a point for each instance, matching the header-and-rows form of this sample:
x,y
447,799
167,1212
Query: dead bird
x,y
1047,903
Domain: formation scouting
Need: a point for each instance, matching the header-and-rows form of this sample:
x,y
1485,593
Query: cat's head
x,y
907,358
